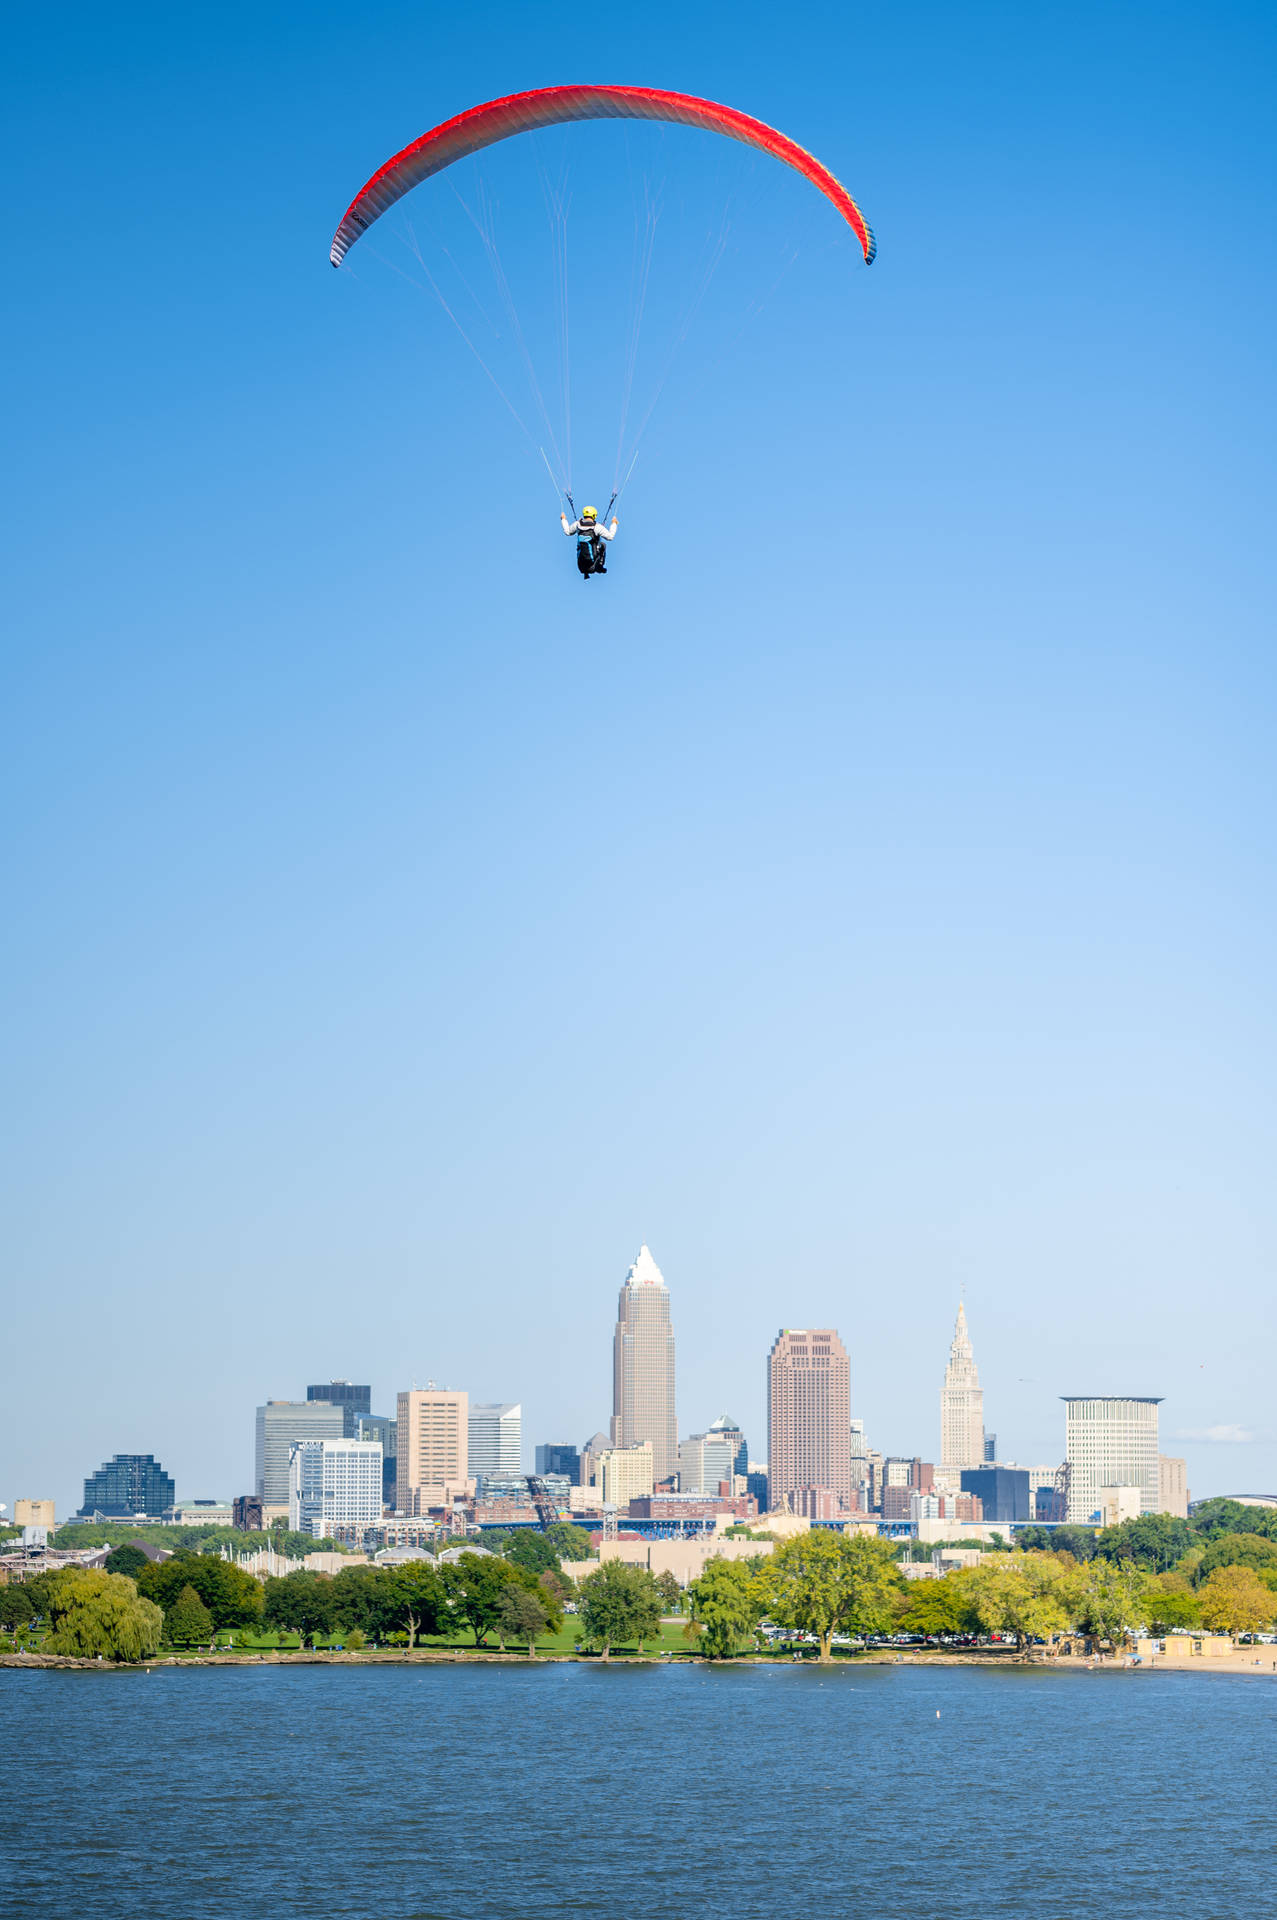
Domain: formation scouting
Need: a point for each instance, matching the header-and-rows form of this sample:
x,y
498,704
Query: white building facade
x,y
1110,1441
496,1436
708,1460
334,1483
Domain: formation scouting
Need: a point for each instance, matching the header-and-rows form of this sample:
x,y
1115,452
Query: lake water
x,y
666,1792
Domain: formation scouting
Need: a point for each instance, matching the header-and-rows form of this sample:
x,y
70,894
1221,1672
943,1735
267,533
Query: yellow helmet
x,y
589,513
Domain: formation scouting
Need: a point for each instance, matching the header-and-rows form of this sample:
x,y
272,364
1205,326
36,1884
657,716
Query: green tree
x,y
725,1606
1235,1600
409,1599
935,1607
188,1622
570,1543
1172,1603
670,1591
825,1583
234,1598
100,1614
1079,1542
1212,1517
129,1560
1238,1550
16,1606
1155,1541
1108,1600
556,1586
358,1594
474,1585
619,1603
521,1615
303,1603
532,1550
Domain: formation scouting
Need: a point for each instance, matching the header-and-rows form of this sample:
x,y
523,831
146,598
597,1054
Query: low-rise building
x,y
201,1513
933,1532
1118,1504
958,1509
689,1507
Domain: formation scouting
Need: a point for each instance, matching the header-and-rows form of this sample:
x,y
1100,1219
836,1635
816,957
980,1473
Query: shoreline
x,y
1241,1662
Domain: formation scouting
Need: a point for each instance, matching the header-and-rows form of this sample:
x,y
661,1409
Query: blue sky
x,y
864,895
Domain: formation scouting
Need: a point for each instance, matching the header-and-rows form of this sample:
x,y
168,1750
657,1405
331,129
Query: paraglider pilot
x,y
590,533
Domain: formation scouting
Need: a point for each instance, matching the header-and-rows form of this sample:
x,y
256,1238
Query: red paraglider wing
x,y
548,107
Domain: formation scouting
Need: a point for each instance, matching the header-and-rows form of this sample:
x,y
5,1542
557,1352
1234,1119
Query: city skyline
x,y
312,1418
448,1447
390,947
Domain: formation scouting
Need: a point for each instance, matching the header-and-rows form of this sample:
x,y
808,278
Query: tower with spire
x,y
961,1404
643,1367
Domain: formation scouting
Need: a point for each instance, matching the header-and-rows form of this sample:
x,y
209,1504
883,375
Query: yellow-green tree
x,y
1109,1600
725,1606
825,1583
99,1614
934,1607
1235,1600
1023,1594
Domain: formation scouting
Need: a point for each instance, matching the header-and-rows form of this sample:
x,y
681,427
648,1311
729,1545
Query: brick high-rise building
x,y
643,1367
432,1452
808,1415
961,1404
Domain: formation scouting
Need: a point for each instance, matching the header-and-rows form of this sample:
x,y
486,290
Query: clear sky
x,y
864,895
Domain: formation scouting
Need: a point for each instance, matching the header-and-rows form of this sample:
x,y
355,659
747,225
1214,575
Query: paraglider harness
x,y
591,551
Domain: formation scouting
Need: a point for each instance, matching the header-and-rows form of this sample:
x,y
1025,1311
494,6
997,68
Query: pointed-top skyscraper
x,y
643,1367
961,1404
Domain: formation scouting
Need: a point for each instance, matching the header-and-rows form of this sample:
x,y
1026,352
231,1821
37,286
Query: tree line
x,y
1156,1573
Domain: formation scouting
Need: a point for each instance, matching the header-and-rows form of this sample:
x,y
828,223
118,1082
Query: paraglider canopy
x,y
497,120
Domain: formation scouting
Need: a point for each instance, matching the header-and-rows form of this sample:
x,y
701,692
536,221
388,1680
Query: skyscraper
x,y
961,1404
643,1367
808,1415
279,1424
1110,1442
432,1462
496,1437
706,1460
355,1400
